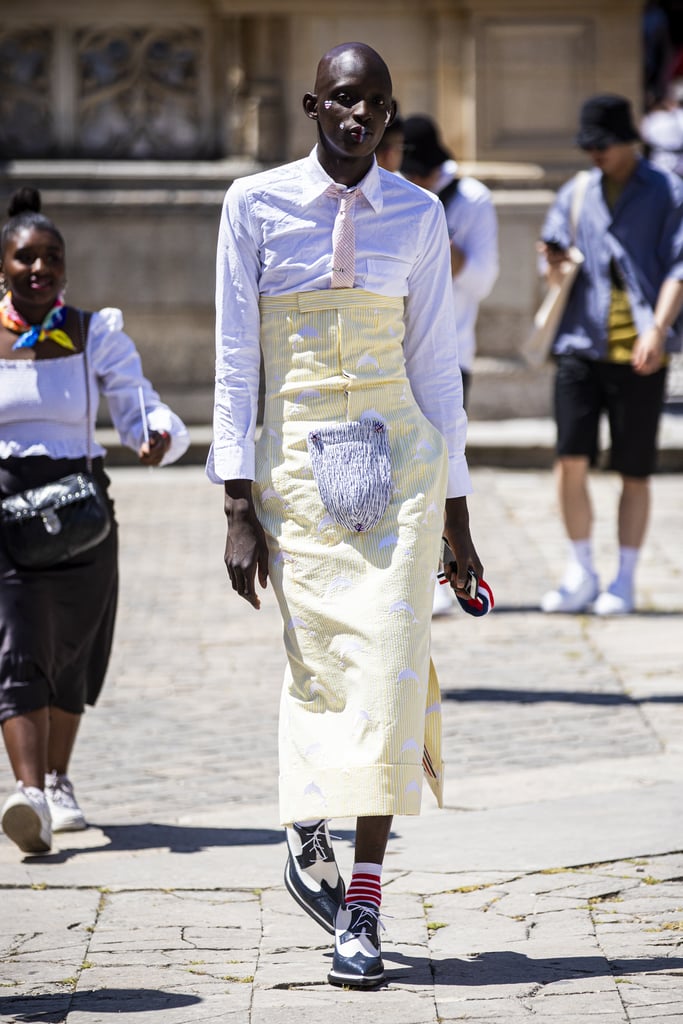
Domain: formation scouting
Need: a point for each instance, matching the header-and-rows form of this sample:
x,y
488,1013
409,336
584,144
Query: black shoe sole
x,y
356,980
310,910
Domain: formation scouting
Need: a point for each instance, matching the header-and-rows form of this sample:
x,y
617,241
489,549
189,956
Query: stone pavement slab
x,y
549,889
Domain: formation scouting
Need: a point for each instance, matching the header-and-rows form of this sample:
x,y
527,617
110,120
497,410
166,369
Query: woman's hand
x,y
246,550
152,452
457,532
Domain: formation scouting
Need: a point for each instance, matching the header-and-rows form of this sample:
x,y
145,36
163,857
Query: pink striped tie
x,y
344,239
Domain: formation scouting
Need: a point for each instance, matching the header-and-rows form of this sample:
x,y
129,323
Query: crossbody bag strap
x,y
84,349
578,196
449,191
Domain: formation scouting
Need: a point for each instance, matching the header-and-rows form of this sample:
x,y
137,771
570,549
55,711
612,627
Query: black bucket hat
x,y
606,120
422,149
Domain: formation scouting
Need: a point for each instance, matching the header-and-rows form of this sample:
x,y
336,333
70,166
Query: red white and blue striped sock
x,y
365,885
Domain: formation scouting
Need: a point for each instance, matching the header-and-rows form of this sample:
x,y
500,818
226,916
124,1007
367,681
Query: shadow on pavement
x,y
52,1009
524,609
503,609
489,695
174,838
507,968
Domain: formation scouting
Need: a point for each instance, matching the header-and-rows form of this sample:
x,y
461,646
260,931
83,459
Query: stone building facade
x,y
133,119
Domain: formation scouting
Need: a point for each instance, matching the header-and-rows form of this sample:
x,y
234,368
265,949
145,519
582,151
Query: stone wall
x,y
134,121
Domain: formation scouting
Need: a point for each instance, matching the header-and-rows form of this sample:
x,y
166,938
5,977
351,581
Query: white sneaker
x,y
26,819
574,596
443,600
609,603
64,810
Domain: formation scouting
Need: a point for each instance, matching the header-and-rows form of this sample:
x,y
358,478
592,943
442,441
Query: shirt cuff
x,y
163,419
231,462
459,481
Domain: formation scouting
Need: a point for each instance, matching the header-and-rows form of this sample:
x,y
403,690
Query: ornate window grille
x,y
26,113
120,92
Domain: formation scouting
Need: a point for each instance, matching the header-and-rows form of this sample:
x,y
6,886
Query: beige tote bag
x,y
537,347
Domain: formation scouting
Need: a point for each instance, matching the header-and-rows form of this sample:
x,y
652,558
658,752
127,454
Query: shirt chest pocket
x,y
385,275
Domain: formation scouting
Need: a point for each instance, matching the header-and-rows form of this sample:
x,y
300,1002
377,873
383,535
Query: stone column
x,y
264,107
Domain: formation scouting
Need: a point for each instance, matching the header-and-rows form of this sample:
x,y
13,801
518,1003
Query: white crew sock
x,y
622,586
579,563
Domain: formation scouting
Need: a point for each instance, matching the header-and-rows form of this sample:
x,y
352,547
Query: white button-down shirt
x,y
275,238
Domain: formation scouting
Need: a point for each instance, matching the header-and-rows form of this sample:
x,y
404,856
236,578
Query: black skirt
x,y
57,624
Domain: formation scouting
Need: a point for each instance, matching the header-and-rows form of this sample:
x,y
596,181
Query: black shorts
x,y
585,388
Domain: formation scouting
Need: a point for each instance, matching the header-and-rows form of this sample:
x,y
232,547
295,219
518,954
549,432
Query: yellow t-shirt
x,y
621,328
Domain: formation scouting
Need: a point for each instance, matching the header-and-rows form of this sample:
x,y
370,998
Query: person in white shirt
x,y
661,130
473,232
358,471
57,622
472,228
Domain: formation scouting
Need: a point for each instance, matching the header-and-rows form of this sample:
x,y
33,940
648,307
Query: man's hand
x,y
457,532
648,351
556,259
246,550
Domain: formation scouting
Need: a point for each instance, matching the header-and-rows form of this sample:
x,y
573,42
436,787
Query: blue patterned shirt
x,y
642,233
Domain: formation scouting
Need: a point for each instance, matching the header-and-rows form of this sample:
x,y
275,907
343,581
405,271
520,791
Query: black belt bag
x,y
49,524
44,526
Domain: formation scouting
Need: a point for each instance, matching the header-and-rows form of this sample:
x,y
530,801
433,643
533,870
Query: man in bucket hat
x,y
612,343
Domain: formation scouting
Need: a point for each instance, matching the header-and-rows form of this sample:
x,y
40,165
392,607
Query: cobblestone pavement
x,y
548,890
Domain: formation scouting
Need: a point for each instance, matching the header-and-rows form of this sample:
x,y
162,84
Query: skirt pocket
x,y
352,467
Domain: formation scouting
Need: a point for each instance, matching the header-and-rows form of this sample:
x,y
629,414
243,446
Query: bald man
x,y
339,273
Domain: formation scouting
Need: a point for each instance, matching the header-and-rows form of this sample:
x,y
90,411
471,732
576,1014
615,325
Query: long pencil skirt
x,y
360,721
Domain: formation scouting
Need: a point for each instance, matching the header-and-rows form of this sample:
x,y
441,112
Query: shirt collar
x,y
639,173
316,180
641,169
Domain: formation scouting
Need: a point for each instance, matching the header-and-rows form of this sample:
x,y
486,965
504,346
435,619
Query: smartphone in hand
x,y
553,247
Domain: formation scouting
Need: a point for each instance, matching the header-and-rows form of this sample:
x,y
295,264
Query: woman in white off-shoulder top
x,y
56,624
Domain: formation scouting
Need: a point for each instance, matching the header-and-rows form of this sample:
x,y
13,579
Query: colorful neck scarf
x,y
30,336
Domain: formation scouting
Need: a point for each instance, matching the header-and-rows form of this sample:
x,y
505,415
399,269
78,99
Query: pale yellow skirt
x,y
360,716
